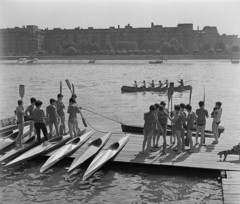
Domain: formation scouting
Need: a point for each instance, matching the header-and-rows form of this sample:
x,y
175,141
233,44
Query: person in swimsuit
x,y
181,82
39,122
177,119
217,113
60,112
20,121
182,106
73,110
144,84
160,84
166,82
157,128
163,120
29,114
190,125
52,117
201,114
74,96
149,118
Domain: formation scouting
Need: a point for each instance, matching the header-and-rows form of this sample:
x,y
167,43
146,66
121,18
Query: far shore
x,y
126,57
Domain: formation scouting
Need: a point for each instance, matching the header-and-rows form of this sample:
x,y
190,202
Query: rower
x,y
166,82
135,84
152,84
181,82
160,84
144,84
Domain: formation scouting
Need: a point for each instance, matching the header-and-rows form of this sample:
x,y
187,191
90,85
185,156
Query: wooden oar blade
x,y
190,95
83,120
73,90
21,91
68,84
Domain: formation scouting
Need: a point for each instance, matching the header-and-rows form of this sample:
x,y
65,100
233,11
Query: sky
x,y
224,14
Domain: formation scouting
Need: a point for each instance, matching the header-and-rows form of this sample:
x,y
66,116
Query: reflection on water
x,y
98,87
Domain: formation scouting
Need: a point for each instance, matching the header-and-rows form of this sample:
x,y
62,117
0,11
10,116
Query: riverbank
x,y
125,57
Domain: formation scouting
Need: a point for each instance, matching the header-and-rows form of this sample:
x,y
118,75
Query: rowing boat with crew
x,y
155,89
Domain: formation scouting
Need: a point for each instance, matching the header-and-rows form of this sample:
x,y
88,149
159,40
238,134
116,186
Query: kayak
x,y
105,155
28,144
69,148
10,140
156,89
94,147
40,149
139,130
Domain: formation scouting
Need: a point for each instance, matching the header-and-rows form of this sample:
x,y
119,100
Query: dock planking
x,y
205,157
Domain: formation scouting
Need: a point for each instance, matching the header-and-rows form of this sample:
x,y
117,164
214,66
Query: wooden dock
x,y
205,157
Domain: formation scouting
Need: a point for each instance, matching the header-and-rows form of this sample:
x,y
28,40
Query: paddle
x,y
72,91
170,93
60,87
190,96
21,91
204,96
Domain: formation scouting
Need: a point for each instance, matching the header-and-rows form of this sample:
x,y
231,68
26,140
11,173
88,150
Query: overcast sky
x,y
224,14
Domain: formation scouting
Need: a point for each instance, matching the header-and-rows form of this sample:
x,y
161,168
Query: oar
x,y
190,96
69,85
60,87
171,90
73,89
204,96
21,91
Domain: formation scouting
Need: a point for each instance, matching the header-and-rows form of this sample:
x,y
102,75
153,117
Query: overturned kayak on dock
x,y
94,147
155,89
69,148
105,155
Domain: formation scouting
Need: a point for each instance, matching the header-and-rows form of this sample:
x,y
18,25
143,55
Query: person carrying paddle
x,y
53,117
29,114
182,106
190,125
39,122
20,121
157,128
202,114
149,119
73,110
74,96
60,112
216,115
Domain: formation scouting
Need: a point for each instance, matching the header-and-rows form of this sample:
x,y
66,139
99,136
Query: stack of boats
x,y
64,146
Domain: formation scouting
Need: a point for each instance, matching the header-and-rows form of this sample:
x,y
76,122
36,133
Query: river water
x,y
98,87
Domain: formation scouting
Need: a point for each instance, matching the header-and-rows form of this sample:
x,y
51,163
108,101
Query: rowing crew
x,y
160,84
54,116
155,124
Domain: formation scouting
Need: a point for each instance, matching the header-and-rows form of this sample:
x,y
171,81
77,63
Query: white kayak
x,y
40,149
105,155
94,147
66,150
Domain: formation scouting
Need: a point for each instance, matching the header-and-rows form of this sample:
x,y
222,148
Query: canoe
x,y
156,89
9,141
9,127
156,62
91,61
52,144
69,148
138,129
94,147
235,61
105,155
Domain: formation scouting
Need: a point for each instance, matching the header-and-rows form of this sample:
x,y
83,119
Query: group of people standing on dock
x,y
160,84
155,125
54,116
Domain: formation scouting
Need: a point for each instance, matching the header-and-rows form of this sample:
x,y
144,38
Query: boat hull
x,y
156,89
69,148
93,149
105,155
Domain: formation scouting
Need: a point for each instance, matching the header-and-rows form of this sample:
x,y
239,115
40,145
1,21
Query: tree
x,y
235,48
174,41
181,49
58,49
206,47
164,48
172,49
220,45
108,46
71,51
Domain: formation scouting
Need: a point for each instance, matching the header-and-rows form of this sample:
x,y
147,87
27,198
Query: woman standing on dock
x,y
39,121
73,110
216,115
20,121
157,128
149,119
30,116
52,117
60,112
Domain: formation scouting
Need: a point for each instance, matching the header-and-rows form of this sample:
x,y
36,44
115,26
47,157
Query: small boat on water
x,y
69,148
91,61
235,61
155,89
38,150
105,155
156,62
94,147
10,140
138,129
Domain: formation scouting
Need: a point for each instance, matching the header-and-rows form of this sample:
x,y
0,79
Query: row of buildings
x,y
30,39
